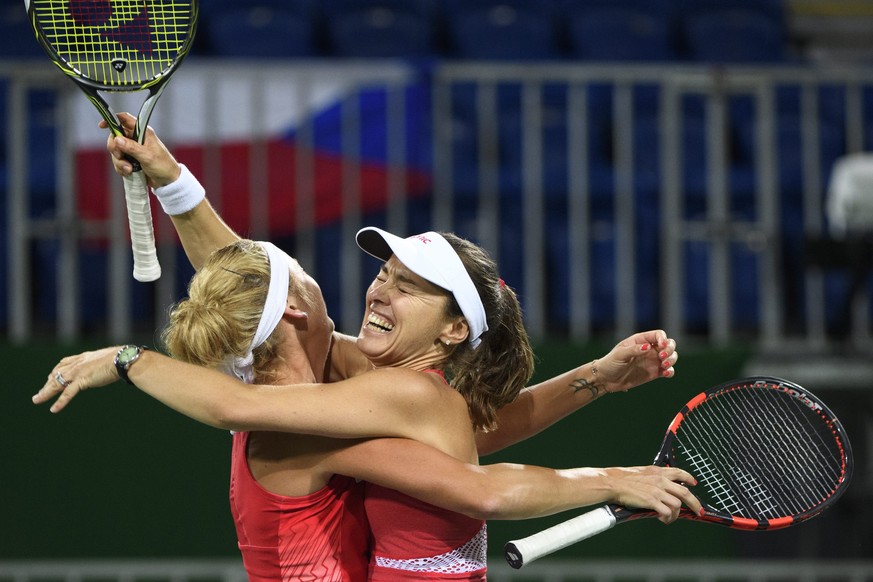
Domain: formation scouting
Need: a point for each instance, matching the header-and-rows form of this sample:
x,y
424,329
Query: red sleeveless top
x,y
413,540
322,536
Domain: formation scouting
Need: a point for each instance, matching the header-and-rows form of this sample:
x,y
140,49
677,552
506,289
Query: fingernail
x,y
663,355
701,512
665,364
644,347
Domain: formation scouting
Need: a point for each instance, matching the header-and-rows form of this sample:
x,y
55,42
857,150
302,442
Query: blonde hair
x,y
220,316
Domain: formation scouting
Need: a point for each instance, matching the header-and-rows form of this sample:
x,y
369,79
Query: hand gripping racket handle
x,y
526,550
142,233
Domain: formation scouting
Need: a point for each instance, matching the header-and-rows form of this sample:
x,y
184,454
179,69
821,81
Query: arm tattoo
x,y
583,384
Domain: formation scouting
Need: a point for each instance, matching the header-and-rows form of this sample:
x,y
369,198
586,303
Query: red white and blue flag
x,y
251,118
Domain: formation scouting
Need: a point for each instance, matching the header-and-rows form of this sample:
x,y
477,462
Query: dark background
x,y
119,475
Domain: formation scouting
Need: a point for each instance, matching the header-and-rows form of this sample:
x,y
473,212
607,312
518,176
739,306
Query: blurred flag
x,y
239,120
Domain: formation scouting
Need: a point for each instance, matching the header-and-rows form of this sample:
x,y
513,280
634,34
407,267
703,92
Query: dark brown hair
x,y
493,374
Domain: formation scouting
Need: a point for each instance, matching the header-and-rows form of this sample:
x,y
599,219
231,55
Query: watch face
x,y
127,354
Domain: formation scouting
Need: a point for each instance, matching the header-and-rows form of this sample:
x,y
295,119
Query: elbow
x,y
225,415
487,506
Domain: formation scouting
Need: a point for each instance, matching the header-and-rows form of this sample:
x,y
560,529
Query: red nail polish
x,y
663,355
645,347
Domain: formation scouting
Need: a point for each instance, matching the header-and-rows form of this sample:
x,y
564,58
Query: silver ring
x,y
61,380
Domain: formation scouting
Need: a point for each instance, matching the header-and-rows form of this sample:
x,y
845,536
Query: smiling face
x,y
405,322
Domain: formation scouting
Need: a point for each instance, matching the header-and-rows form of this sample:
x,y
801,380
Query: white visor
x,y
431,257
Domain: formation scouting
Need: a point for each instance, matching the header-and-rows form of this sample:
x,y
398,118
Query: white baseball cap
x,y
430,256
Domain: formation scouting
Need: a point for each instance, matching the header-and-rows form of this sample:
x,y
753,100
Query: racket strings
x,y
760,452
822,454
757,448
118,43
818,463
773,432
707,474
718,446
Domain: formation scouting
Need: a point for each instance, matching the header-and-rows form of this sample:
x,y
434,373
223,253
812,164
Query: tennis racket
x,y
766,454
120,46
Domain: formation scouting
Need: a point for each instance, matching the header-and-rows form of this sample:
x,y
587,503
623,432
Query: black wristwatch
x,y
125,358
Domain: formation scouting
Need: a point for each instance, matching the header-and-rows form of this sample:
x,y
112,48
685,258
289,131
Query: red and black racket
x,y
766,453
120,46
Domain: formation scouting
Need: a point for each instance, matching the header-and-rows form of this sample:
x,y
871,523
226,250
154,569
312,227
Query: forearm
x,y
526,491
202,394
540,406
499,491
180,194
200,228
635,360
202,231
205,395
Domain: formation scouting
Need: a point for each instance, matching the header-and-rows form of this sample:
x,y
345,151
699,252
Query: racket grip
x,y
526,550
142,233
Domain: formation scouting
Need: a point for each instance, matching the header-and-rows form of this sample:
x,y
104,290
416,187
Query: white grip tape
x,y
142,233
526,550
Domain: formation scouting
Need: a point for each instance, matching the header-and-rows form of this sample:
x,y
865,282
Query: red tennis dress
x,y
321,537
413,540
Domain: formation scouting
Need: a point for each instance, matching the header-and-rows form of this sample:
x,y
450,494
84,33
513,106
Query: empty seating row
x,y
621,30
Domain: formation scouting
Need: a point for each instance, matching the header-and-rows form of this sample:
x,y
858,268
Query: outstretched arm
x,y
200,228
503,491
368,405
506,490
633,361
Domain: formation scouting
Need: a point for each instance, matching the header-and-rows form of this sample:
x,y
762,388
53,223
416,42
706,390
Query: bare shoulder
x,y
405,376
413,384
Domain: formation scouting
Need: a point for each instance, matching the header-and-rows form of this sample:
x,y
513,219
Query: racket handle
x,y
526,550
142,233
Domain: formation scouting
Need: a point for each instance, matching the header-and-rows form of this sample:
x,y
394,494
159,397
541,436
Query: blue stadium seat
x,y
17,39
41,152
502,31
381,28
93,266
743,294
555,154
260,29
774,9
734,36
564,10
790,143
620,34
428,8
694,155
465,160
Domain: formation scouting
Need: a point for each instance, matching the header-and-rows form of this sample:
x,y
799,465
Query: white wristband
x,y
182,195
